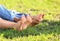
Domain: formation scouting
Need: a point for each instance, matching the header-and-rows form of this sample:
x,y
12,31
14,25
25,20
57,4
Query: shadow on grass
x,y
45,27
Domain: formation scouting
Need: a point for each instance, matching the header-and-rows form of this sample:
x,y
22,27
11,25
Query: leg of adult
x,y
6,24
20,25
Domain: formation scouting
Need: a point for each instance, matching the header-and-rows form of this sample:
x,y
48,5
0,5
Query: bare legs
x,y
20,25
6,24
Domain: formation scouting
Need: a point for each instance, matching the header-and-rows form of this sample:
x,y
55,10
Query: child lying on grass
x,y
17,20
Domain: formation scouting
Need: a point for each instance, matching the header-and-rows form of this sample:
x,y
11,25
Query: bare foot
x,y
18,25
37,19
27,22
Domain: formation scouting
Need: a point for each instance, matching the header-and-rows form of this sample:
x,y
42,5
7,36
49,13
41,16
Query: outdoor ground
x,y
47,30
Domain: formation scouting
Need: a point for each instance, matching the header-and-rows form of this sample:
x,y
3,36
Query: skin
x,y
20,25
6,24
35,19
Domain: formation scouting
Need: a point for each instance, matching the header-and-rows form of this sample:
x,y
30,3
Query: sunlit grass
x,y
45,31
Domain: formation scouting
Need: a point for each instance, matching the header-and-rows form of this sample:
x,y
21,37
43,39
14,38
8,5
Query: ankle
x,y
14,25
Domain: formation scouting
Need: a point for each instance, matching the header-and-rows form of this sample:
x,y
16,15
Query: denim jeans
x,y
9,14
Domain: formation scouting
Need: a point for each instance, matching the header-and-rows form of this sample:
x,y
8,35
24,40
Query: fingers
x,y
23,23
28,21
23,20
28,18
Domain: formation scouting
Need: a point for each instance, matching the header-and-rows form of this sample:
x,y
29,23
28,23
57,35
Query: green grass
x,y
46,31
49,37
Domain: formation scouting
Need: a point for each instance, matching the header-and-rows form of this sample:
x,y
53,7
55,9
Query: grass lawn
x,y
48,30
